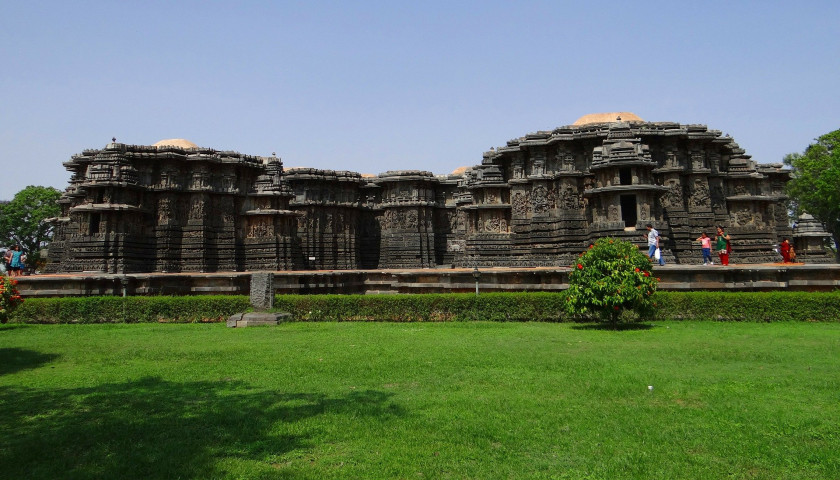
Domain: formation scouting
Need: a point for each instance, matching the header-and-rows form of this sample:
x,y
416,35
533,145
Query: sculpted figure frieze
x,y
700,195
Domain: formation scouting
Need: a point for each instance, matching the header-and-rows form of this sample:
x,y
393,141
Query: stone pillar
x,y
262,290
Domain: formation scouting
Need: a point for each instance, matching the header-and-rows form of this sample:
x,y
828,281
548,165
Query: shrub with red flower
x,y
613,282
9,298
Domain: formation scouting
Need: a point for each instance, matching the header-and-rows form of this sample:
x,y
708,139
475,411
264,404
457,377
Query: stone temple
x,y
538,200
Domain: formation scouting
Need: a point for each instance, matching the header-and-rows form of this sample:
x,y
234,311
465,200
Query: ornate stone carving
x,y
197,209
260,228
613,214
164,210
543,199
570,199
644,212
700,195
520,204
673,197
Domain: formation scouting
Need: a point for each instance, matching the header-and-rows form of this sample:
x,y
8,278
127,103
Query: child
x,y
706,245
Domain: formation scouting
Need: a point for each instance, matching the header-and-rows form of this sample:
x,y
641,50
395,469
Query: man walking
x,y
653,244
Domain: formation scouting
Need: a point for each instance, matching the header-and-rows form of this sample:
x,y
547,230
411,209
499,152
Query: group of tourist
x,y
722,246
14,261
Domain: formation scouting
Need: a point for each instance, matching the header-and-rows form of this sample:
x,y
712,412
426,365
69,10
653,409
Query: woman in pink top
x,y
706,245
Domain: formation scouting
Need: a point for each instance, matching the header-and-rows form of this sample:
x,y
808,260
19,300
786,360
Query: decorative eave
x,y
755,198
625,188
632,162
271,212
488,206
108,207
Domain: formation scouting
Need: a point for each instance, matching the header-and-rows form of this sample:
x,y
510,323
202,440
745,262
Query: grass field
x,y
420,400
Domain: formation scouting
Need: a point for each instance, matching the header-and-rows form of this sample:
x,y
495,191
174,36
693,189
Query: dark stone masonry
x,y
539,200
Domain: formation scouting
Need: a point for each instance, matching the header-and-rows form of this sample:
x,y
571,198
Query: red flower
x,y
637,269
580,267
615,307
647,274
658,279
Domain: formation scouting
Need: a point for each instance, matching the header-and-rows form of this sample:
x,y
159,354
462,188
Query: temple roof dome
x,y
608,117
175,142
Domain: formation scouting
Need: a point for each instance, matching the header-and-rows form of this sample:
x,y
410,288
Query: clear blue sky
x,y
373,86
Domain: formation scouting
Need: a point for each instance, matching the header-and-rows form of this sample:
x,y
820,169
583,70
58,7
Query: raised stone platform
x,y
673,277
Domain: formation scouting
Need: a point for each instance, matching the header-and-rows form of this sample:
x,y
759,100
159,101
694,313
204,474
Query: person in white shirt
x,y
653,244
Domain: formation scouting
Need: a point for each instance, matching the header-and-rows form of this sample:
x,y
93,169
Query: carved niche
x,y
700,196
164,210
520,204
197,211
543,199
673,197
260,227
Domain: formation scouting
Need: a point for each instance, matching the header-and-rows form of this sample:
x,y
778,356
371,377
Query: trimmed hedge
x,y
504,307
130,309
750,306
501,307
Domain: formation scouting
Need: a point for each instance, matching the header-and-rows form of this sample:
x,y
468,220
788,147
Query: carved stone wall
x,y
134,208
539,200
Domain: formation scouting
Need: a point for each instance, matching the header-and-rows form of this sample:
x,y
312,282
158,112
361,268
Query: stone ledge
x,y
253,319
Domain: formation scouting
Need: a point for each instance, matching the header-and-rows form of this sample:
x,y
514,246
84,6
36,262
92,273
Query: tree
x,y
22,220
814,185
612,280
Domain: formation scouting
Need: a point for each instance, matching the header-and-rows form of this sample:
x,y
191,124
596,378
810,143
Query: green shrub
x,y
613,281
130,309
10,298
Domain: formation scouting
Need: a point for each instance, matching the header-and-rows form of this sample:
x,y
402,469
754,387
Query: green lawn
x,y
420,400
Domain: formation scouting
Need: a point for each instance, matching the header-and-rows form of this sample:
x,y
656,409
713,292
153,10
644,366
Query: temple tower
x,y
408,214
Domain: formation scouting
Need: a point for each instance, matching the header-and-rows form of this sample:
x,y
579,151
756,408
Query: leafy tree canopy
x,y
22,220
814,186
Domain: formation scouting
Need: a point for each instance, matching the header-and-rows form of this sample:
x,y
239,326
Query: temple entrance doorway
x,y
628,210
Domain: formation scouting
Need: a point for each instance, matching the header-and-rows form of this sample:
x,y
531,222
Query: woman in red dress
x,y
784,249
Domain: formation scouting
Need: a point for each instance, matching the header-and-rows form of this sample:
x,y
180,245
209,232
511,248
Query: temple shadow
x,y
614,327
16,359
13,326
153,428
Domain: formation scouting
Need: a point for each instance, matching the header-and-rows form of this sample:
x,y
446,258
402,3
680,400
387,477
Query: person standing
x,y
6,258
706,247
784,249
653,244
16,263
722,246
